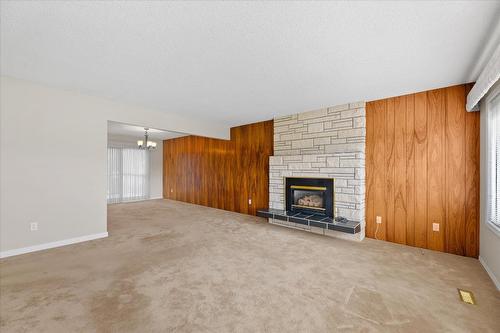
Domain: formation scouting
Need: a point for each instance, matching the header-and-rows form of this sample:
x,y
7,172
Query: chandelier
x,y
146,144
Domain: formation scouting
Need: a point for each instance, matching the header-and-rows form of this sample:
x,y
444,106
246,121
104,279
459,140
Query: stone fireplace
x,y
323,144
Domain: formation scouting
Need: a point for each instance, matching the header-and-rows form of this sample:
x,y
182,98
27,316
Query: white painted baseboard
x,y
51,245
490,273
132,201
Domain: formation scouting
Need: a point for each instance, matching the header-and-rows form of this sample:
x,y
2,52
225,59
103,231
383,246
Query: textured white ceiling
x,y
241,62
133,131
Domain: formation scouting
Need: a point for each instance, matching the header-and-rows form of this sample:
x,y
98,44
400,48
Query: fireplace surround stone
x,y
325,143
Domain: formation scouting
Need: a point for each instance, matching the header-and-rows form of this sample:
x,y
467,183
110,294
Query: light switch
x,y
435,227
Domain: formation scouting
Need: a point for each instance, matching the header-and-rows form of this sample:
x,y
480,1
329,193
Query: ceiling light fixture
x,y
146,144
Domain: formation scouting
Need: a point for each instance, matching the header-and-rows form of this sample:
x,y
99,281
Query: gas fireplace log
x,y
311,201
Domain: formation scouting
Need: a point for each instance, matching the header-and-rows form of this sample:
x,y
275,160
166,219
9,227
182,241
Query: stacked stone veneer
x,y
328,143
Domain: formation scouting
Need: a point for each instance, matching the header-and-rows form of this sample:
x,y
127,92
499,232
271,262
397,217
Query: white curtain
x,y
494,161
128,174
486,80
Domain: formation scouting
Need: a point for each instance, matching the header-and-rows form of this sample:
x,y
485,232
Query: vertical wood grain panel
x,y
423,167
421,170
400,170
165,173
472,180
369,165
221,173
410,170
379,208
455,171
389,170
436,180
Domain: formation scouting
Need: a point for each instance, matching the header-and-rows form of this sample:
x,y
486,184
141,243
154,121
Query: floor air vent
x,y
466,296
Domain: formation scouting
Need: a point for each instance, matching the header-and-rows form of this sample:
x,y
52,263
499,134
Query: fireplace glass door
x,y
308,198
310,195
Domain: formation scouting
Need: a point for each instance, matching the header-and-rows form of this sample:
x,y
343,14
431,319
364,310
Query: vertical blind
x,y
128,174
494,162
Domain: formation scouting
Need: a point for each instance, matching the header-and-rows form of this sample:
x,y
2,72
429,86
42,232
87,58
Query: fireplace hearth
x,y
310,195
309,205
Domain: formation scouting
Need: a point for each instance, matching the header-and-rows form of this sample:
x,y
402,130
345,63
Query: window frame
x,y
490,155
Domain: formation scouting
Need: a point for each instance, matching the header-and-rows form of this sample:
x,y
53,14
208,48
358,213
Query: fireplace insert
x,y
310,195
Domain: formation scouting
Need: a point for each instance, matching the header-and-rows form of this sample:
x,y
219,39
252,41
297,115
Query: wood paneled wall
x,y
422,167
222,174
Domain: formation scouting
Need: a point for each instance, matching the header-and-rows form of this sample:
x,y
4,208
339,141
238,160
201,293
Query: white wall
x,y
53,159
156,162
156,176
489,241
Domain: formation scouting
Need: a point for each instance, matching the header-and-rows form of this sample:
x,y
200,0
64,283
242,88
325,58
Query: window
x,y
128,174
493,138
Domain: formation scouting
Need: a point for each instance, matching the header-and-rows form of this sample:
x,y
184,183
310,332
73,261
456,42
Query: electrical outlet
x,y
435,227
250,201
33,226
379,219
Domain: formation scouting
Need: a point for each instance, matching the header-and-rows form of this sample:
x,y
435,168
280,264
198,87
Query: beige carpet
x,y
170,266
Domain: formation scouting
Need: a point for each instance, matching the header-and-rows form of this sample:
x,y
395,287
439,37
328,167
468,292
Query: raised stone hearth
x,y
325,143
310,222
